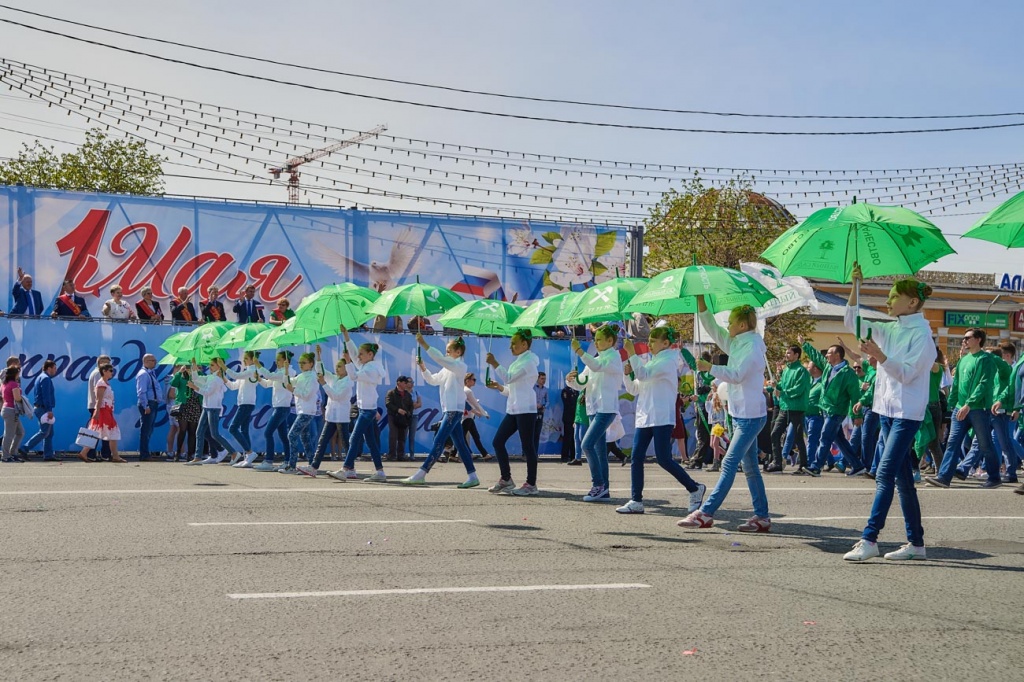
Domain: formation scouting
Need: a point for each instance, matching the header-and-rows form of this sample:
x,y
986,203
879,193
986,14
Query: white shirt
x,y
212,388
475,410
745,371
519,380
245,383
339,398
306,390
94,377
118,311
367,378
279,395
450,378
655,387
605,381
902,381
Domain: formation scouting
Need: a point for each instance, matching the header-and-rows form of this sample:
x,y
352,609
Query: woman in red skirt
x,y
103,417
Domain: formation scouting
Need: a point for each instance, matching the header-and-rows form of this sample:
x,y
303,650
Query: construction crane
x,y
292,166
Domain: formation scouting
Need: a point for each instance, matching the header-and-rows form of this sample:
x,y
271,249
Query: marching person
x,y
147,308
541,389
102,420
245,382
116,308
280,403
212,387
306,390
367,373
182,309
27,301
518,380
744,373
655,384
793,390
336,416
188,406
44,404
213,310
904,354
473,410
147,390
248,308
840,389
14,430
69,304
450,380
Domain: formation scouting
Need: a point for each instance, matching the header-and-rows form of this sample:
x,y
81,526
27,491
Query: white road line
x,y
864,517
217,490
739,486
437,590
323,523
70,477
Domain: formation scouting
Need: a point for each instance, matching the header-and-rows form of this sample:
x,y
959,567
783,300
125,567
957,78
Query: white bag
x,y
87,438
615,431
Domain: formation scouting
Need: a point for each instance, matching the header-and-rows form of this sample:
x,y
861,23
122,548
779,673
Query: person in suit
x,y
213,310
248,308
148,309
182,309
27,301
68,304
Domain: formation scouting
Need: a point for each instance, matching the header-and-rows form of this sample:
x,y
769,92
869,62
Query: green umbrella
x,y
545,312
485,317
286,335
603,302
675,291
415,299
202,356
241,335
205,336
335,306
172,342
1003,225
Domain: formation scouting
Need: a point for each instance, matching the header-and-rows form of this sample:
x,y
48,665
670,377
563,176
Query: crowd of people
x,y
891,409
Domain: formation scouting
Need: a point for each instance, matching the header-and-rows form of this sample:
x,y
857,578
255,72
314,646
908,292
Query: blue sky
x,y
865,58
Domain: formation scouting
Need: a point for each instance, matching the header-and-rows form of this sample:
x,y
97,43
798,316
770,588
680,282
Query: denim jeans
x,y
146,429
278,424
323,444
866,440
595,447
364,428
832,432
743,448
981,422
662,436
794,419
578,430
45,435
300,437
813,425
451,427
209,428
239,428
1012,450
896,468
524,424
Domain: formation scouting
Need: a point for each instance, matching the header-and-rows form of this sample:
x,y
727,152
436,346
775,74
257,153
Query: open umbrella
x,y
286,335
676,291
202,356
545,312
203,337
485,317
335,306
1003,225
241,335
605,302
416,299
171,343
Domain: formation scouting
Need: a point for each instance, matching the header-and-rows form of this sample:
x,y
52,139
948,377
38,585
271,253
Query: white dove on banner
x,y
376,273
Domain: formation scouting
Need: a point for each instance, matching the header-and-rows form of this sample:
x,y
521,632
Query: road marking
x,y
863,517
323,523
70,477
200,491
438,590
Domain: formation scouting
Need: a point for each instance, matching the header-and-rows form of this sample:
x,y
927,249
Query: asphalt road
x,y
125,572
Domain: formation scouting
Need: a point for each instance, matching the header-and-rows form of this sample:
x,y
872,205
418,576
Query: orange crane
x,y
291,167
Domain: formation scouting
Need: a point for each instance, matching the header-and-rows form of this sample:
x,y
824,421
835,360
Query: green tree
x,y
101,164
720,226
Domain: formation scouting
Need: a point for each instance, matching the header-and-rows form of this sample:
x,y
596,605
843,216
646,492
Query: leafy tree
x,y
720,226
101,164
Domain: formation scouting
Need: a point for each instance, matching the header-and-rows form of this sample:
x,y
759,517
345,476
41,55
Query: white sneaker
x,y
344,474
239,456
907,553
209,460
376,477
631,507
221,456
247,463
697,498
502,486
307,470
862,551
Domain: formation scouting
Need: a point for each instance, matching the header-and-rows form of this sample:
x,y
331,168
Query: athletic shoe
x,y
697,519
907,553
856,472
814,472
344,475
862,551
801,471
870,474
841,467
935,481
697,497
574,463
239,456
755,524
412,481
287,470
208,460
502,486
829,467
265,466
992,483
469,483
525,490
307,470
1010,479
598,494
195,461
376,477
960,475
221,456
247,462
631,507
774,468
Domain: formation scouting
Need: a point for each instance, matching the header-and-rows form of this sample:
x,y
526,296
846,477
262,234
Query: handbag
x,y
175,411
87,438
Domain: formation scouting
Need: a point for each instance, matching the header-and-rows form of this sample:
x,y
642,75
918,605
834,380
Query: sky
x,y
868,58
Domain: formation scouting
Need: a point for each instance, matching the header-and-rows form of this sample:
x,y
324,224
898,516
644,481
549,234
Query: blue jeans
x,y
832,432
451,427
896,467
595,447
662,436
278,424
300,437
365,428
812,425
209,428
240,426
1014,452
45,435
324,442
742,448
866,438
577,433
981,422
146,430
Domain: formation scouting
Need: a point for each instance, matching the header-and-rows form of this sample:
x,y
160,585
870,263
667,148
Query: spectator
x,y
147,309
248,308
67,304
27,301
569,397
182,309
541,390
102,420
419,323
282,313
94,378
398,403
116,308
44,404
213,310
14,431
417,403
147,389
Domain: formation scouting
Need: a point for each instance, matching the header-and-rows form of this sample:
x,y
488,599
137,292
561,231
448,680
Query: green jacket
x,y
867,389
973,382
1003,388
581,410
934,384
794,387
181,390
814,398
840,390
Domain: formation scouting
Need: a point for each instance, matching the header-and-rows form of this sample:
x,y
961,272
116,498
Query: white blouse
x,y
339,398
279,395
519,380
604,380
245,383
450,378
367,377
655,386
212,388
306,390
119,311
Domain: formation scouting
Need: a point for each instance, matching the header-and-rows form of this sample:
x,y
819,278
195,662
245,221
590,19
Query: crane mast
x,y
291,167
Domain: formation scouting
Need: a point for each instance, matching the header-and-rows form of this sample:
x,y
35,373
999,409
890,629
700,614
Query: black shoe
x,y
773,469
830,467
801,471
961,476
991,483
1010,479
814,472
574,463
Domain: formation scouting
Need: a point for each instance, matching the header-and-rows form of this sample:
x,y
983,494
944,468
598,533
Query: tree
x,y
720,226
101,164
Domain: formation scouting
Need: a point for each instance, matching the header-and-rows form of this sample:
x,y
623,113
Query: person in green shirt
x,y
865,434
793,393
972,396
935,411
1002,409
282,313
840,390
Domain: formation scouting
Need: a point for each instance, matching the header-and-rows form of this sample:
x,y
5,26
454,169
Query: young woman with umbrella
x,y
367,372
520,412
